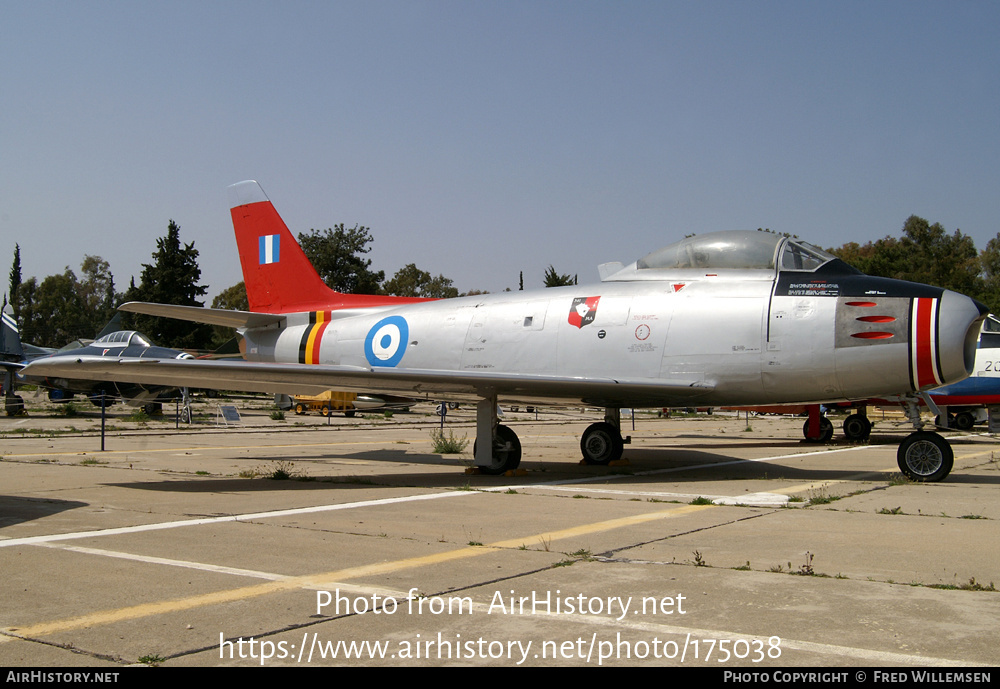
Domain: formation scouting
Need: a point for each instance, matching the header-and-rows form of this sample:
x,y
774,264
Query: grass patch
x,y
973,585
138,415
898,479
448,444
277,471
821,498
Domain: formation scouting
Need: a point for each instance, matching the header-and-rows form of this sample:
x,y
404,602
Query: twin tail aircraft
x,y
722,319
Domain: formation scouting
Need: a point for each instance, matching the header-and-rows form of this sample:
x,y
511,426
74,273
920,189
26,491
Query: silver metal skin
x,y
732,318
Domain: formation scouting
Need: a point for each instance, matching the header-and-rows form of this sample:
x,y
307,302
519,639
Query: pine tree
x,y
15,281
172,278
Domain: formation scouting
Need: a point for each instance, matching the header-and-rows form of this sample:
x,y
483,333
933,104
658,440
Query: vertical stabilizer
x,y
278,275
10,339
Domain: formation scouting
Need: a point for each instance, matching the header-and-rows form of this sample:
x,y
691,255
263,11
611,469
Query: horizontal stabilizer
x,y
199,314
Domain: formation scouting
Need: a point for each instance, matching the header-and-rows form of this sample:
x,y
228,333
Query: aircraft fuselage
x,y
764,337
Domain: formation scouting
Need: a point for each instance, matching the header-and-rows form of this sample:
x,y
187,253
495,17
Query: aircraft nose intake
x,y
959,323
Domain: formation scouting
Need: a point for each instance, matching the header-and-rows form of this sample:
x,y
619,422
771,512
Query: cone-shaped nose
x,y
959,322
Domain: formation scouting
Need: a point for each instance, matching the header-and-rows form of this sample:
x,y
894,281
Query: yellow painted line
x,y
324,579
976,454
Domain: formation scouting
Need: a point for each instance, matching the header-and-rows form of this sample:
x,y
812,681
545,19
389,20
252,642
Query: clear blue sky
x,y
478,139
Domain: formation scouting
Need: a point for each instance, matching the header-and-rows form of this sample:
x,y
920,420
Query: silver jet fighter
x,y
732,318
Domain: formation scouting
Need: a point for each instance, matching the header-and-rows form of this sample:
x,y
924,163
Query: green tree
x,y
554,279
15,280
989,261
410,281
172,278
337,254
925,253
97,292
52,313
235,299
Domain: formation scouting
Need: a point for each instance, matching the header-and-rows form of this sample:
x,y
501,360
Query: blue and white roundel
x,y
386,341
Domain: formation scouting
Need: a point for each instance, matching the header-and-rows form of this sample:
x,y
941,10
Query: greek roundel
x,y
386,341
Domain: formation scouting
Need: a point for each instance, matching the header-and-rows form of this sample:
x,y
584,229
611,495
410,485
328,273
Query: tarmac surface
x,y
719,541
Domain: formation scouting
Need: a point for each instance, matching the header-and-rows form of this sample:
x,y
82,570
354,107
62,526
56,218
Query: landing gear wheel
x,y
925,456
825,431
964,421
506,452
857,427
601,443
101,401
14,405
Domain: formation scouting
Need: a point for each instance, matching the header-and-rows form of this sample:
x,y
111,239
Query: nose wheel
x,y
925,456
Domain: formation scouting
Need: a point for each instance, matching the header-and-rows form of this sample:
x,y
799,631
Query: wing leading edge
x,y
420,384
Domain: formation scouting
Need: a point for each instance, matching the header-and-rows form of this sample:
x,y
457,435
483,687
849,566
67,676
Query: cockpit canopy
x,y
123,338
740,250
737,250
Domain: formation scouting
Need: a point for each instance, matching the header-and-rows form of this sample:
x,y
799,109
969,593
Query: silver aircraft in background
x,y
722,319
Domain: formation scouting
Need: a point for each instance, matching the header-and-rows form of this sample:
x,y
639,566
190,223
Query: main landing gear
x,y
923,456
602,442
503,452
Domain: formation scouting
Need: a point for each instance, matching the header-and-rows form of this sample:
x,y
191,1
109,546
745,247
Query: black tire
x,y
601,444
14,405
506,452
925,456
857,427
324,410
300,409
964,421
101,401
825,431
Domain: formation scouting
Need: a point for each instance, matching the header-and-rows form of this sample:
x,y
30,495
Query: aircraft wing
x,y
419,384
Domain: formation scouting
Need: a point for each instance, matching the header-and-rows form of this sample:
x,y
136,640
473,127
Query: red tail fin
x,y
278,275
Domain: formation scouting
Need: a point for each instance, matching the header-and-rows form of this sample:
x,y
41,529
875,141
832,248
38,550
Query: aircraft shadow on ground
x,y
664,464
17,510
711,466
